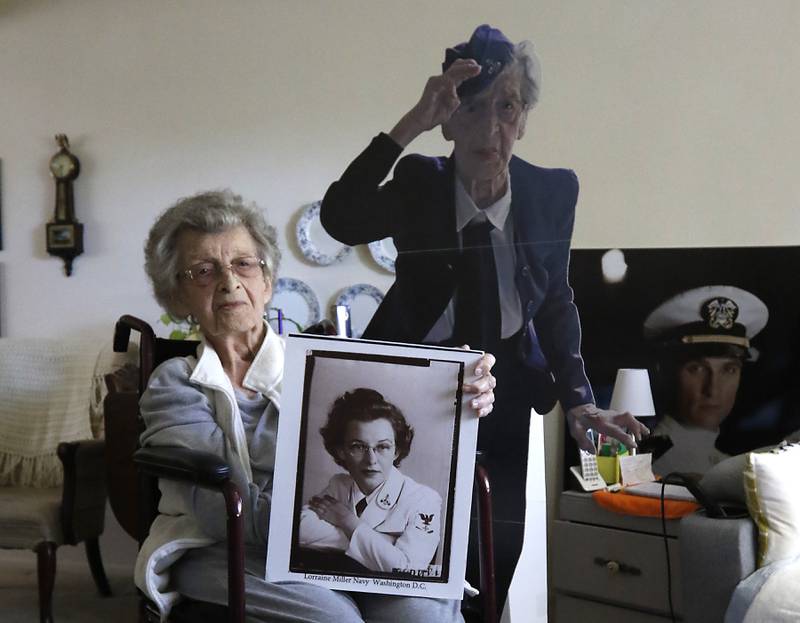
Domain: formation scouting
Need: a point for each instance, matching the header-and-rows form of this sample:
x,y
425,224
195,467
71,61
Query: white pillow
x,y
773,498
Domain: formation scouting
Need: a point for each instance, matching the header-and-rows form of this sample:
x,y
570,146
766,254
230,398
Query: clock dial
x,y
61,165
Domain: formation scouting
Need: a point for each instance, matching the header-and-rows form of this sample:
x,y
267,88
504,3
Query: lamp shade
x,y
632,393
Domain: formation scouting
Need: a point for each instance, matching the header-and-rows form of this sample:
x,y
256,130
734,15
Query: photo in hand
x,y
374,467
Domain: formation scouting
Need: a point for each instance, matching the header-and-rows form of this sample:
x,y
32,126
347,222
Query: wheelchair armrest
x,y
205,470
183,464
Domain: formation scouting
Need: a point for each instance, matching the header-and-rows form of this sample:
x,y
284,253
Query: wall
x,y
679,117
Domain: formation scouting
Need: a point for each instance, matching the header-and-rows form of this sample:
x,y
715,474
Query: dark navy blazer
x,y
417,209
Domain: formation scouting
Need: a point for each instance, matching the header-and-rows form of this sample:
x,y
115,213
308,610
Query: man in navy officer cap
x,y
702,339
483,242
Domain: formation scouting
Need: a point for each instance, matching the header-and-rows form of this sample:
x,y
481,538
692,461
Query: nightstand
x,y
611,567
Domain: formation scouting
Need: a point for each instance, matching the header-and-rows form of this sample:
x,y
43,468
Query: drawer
x,y
571,609
615,566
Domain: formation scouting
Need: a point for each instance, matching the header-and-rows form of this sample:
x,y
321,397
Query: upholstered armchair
x,y
745,568
52,472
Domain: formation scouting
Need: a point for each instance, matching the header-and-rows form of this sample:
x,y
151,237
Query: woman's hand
x,y
484,385
621,426
437,104
334,512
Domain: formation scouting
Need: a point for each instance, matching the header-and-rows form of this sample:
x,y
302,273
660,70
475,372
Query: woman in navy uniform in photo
x,y
483,242
702,340
374,514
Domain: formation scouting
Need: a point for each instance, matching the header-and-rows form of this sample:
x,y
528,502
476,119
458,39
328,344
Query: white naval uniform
x,y
693,449
399,528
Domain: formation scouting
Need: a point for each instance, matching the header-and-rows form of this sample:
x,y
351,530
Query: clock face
x,y
62,165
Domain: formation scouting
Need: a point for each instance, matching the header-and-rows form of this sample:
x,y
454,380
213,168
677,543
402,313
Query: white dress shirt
x,y
505,258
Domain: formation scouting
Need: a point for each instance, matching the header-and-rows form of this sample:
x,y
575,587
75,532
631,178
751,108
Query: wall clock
x,y
64,232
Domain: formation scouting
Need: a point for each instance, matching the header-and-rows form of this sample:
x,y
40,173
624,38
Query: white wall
x,y
679,117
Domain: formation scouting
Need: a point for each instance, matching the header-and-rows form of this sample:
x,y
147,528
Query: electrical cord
x,y
711,506
666,552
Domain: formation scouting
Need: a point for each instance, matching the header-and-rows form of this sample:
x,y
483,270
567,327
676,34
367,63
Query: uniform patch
x,y
720,313
385,502
424,521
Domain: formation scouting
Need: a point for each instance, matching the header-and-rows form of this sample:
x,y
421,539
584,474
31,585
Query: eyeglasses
x,y
507,110
205,273
357,450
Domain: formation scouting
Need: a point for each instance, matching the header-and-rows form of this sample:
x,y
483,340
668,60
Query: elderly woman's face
x,y
707,391
231,304
368,452
485,128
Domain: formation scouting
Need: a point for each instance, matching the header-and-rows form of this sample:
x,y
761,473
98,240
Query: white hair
x,y
530,68
208,212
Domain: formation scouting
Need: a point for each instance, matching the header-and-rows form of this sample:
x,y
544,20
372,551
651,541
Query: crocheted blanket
x,y
45,395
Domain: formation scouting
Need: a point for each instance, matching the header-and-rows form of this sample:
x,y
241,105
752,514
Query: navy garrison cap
x,y
490,48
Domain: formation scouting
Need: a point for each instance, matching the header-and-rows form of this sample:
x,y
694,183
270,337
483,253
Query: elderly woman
x,y
374,514
483,242
213,258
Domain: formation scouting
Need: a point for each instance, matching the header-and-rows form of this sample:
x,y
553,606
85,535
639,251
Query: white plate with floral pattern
x,y
384,253
298,304
315,243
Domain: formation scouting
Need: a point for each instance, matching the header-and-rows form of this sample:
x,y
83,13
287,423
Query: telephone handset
x,y
587,475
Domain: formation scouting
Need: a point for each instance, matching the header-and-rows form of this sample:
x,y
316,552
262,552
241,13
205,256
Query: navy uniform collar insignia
x,y
385,502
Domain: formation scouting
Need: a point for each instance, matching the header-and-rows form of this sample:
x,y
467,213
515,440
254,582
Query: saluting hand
x,y
437,104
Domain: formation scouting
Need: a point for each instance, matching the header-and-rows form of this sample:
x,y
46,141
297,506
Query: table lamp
x,y
632,393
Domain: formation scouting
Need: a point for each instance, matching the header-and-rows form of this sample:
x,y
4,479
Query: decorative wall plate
x,y
315,243
362,300
297,302
384,253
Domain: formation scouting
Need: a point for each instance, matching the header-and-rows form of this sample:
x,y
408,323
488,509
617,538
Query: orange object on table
x,y
629,504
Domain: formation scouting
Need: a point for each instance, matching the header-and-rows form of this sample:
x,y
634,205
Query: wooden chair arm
x,y
83,497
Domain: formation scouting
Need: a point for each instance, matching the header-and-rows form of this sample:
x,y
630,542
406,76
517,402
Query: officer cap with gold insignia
x,y
711,320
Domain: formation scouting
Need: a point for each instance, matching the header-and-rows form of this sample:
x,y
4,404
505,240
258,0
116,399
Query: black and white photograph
x,y
378,455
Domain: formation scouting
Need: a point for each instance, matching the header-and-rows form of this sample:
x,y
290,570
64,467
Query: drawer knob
x,y
615,567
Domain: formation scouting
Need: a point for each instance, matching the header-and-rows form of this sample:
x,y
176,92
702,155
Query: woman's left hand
x,y
621,426
334,512
484,385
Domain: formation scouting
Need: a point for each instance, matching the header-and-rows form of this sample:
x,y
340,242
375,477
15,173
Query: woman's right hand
x,y
437,104
334,512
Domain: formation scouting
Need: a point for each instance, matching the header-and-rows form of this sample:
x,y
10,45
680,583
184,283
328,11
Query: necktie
x,y
477,320
360,506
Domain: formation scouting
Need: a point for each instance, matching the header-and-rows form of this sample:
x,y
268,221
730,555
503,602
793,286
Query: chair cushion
x,y
29,516
769,594
770,480
724,481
